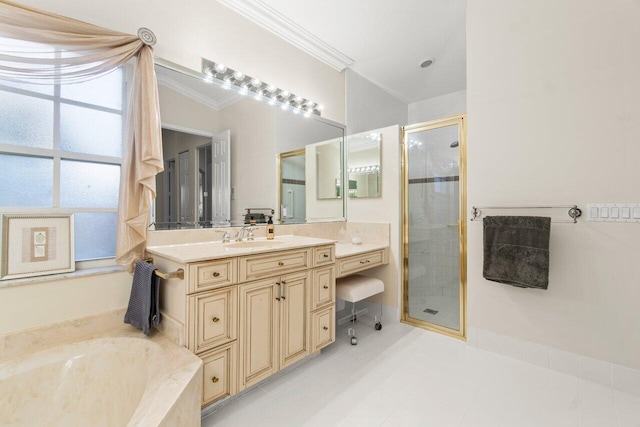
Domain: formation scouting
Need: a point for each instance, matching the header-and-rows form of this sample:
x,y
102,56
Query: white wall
x,y
36,304
553,94
370,107
386,208
188,31
450,104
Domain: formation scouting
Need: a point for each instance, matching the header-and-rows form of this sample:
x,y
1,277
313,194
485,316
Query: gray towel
x,y
516,250
143,311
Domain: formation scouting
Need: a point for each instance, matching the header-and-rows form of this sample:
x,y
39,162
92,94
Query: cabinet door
x,y
323,287
213,319
323,328
294,308
258,331
219,373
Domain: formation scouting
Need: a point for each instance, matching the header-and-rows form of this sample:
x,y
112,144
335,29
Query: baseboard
x,y
605,373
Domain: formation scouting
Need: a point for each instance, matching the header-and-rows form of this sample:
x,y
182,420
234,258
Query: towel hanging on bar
x,y
516,250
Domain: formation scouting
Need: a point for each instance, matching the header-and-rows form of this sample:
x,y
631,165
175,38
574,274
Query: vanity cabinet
x,y
273,325
248,316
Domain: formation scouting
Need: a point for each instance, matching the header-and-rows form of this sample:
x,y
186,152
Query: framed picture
x,y
36,245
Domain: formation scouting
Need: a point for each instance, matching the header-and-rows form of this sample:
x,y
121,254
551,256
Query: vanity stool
x,y
355,288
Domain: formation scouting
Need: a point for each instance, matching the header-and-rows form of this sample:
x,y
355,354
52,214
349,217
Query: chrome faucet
x,y
240,233
225,236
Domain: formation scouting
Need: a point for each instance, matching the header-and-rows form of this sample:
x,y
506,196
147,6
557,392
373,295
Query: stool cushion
x,y
357,287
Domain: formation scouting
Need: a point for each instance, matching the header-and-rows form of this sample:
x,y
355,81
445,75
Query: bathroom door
x,y
221,161
434,228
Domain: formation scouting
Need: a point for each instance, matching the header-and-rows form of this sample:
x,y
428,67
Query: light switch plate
x,y
613,212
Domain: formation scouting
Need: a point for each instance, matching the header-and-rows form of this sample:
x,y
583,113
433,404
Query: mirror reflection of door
x,y
194,189
221,178
292,192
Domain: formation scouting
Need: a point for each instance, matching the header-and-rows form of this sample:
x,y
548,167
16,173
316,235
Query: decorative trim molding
x,y
264,15
195,95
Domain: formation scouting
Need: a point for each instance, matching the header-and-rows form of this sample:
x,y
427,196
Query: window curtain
x,y
62,50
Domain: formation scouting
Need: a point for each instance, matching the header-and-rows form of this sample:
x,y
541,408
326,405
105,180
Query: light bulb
x,y
220,68
298,98
271,88
272,102
255,81
285,93
320,107
285,107
238,75
307,114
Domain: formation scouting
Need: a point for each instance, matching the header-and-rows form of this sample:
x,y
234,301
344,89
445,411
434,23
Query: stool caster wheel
x,y
354,341
378,326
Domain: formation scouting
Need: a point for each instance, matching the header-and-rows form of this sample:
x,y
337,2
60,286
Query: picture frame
x,y
36,245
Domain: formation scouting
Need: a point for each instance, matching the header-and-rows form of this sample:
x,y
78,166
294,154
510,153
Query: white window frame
x,y
58,155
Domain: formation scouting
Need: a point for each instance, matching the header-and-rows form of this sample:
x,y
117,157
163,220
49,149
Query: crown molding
x,y
267,17
195,95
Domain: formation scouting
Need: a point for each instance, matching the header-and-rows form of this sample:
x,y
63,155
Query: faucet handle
x,y
249,233
226,238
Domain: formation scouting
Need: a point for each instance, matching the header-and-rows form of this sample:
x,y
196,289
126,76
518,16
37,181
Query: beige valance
x,y
63,50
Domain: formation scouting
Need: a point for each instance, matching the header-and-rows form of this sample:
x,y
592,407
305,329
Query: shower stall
x,y
434,229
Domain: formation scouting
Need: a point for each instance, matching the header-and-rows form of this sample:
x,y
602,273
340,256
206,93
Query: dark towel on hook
x,y
143,311
516,250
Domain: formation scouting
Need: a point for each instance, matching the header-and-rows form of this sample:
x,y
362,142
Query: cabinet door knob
x,y
326,287
325,328
214,380
215,320
280,263
326,255
216,274
284,282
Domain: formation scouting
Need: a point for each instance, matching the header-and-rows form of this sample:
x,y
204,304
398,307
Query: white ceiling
x,y
387,40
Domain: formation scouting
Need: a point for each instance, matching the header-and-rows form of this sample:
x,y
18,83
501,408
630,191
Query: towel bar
x,y
179,273
574,212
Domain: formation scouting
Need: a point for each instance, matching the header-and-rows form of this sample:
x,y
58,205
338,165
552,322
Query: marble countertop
x,y
348,249
193,252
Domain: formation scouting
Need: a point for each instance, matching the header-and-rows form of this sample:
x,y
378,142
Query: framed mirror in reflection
x,y
363,160
221,152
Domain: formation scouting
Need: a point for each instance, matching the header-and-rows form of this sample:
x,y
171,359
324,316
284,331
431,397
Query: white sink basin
x,y
254,244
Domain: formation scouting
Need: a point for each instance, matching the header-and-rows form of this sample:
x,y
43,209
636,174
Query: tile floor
x,y
404,376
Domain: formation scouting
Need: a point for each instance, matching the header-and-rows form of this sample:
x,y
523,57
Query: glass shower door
x,y
434,272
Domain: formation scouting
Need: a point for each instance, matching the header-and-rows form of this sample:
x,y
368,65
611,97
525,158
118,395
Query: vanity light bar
x,y
365,169
259,90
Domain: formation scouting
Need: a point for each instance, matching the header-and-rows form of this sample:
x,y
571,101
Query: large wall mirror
x,y
227,157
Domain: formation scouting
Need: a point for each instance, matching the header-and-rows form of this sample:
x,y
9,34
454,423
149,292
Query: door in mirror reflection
x,y
292,192
434,273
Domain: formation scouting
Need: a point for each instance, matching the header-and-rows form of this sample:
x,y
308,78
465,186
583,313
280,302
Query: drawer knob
x,y
364,261
215,320
214,380
325,328
280,263
326,255
326,287
216,274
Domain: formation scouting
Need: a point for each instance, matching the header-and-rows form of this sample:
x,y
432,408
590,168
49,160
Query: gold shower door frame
x,y
460,121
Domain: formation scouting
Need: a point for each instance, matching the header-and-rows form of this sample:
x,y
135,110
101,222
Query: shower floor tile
x,y
405,376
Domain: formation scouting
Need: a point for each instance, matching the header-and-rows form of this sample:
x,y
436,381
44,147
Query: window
x,y
61,151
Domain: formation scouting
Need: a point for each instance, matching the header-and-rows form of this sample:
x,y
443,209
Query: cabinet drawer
x,y
360,262
272,264
213,319
323,255
211,275
219,373
323,328
323,287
